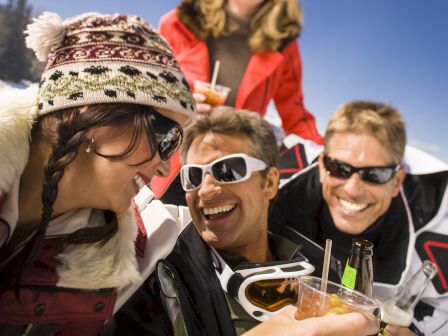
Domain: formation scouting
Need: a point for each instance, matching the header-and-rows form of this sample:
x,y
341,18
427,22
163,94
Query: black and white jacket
x,y
415,228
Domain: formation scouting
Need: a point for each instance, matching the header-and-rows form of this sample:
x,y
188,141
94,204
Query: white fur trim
x,y
161,236
111,265
45,32
17,114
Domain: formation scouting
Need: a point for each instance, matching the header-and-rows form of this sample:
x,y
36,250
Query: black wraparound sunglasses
x,y
375,175
169,135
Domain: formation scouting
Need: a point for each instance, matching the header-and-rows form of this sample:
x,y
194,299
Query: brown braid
x,y
65,150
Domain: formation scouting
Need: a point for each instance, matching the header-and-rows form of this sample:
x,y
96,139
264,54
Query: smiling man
x,y
361,187
231,217
230,176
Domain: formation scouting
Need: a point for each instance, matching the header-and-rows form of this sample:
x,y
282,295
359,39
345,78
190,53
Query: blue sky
x,y
394,51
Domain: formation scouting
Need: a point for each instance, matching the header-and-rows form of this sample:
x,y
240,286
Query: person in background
x,y
76,149
230,177
256,44
362,186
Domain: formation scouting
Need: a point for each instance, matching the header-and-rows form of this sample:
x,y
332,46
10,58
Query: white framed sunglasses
x,y
228,169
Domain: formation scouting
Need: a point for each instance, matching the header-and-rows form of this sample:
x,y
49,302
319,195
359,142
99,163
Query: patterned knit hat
x,y
94,58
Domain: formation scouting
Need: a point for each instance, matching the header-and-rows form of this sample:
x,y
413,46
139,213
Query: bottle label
x,y
349,276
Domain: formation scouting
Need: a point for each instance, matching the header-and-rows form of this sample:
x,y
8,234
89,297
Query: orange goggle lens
x,y
272,295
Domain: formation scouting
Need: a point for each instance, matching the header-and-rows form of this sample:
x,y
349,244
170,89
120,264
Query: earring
x,y
90,145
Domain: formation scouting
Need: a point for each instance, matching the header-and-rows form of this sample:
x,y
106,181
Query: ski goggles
x,y
168,134
374,175
262,289
229,169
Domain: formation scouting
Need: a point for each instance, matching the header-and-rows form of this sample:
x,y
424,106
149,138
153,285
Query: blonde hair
x,y
382,121
276,22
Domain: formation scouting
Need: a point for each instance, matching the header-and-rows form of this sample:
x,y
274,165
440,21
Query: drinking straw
x,y
326,266
215,74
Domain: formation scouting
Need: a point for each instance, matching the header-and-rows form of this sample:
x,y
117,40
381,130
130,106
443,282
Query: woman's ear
x,y
271,182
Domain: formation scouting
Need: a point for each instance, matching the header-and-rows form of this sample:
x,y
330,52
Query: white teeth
x,y
139,181
214,211
352,207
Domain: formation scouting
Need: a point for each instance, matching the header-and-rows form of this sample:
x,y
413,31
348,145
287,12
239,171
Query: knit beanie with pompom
x,y
95,58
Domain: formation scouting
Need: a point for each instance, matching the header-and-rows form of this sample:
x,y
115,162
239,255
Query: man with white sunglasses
x,y
363,186
226,273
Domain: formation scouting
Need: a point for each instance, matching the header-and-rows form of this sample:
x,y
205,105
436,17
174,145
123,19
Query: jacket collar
x,y
18,112
111,265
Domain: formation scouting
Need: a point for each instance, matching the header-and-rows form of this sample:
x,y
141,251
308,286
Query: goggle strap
x,y
223,271
230,280
234,284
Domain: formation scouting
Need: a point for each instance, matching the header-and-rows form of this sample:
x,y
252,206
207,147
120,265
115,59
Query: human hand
x,y
203,108
399,331
355,324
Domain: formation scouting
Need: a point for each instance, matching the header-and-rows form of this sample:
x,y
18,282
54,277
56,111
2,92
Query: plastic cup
x,y
312,302
214,97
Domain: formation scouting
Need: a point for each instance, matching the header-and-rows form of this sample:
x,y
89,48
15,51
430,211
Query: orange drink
x,y
213,96
312,302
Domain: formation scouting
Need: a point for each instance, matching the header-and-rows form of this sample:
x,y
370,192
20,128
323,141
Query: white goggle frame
x,y
251,275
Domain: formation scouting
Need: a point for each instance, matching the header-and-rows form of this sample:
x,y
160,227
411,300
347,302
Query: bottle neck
x,y
412,290
358,273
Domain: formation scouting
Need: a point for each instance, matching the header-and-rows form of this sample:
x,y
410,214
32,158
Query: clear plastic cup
x,y
312,302
214,97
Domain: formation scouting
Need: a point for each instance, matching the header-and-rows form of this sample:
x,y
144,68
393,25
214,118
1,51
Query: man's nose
x,y
354,185
209,188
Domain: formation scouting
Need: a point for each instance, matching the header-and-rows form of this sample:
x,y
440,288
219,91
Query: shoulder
x,y
290,47
426,181
419,162
171,26
169,19
301,188
175,32
189,247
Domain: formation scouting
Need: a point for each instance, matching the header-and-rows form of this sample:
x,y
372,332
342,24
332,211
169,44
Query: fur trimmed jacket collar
x,y
18,112
89,266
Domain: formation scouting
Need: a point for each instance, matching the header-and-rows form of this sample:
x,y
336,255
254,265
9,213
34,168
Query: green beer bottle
x,y
358,272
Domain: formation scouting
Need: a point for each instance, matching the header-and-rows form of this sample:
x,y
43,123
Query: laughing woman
x,y
75,150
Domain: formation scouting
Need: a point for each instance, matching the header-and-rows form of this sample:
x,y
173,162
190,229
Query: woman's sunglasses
x,y
232,168
375,175
169,135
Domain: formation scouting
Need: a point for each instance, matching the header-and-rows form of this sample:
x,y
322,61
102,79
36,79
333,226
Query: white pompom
x,y
44,32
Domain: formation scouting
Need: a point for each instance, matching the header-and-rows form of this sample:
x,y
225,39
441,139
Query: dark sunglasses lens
x,y
337,169
229,170
377,175
193,177
272,295
170,143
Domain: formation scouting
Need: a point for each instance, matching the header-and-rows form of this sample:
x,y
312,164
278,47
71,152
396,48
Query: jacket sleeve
x,y
288,99
143,313
435,325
